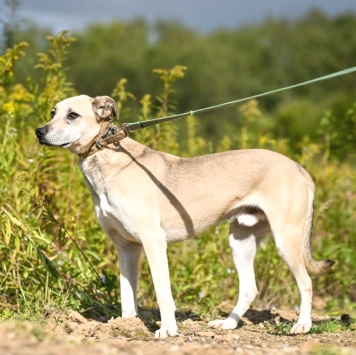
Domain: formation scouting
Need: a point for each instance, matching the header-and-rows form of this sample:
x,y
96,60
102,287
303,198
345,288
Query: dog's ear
x,y
104,107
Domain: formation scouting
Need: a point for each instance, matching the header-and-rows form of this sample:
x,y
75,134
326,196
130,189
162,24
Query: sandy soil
x,y
71,333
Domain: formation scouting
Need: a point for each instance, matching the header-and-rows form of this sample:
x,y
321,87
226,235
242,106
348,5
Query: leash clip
x,y
99,145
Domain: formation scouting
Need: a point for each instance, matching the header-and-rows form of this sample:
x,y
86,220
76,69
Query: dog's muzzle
x,y
40,133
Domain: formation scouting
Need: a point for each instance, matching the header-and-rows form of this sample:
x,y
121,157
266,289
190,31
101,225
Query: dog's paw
x,y
300,328
165,333
228,323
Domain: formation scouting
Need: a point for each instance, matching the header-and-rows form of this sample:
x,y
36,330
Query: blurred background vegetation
x,y
52,251
222,66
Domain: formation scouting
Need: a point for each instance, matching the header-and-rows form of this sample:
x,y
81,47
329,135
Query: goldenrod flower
x,y
9,108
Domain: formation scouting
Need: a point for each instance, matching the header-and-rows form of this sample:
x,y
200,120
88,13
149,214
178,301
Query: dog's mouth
x,y
48,144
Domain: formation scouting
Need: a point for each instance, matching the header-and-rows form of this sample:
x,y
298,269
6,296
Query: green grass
x,y
332,326
325,326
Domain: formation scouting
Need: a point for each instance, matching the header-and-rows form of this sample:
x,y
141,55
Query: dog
x,y
145,199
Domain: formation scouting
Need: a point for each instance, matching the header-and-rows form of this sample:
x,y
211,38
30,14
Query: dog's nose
x,y
40,132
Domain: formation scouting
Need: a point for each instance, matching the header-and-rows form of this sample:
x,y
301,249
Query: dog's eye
x,y
72,115
53,112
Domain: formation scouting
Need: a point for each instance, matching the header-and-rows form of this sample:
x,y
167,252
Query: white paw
x,y
300,328
165,333
228,323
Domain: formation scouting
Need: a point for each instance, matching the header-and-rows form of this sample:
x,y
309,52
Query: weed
x,y
282,328
329,326
326,326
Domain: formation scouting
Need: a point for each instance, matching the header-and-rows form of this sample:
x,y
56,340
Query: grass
x,y
54,254
333,326
320,327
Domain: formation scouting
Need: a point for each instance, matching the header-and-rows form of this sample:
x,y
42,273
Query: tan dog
x,y
146,199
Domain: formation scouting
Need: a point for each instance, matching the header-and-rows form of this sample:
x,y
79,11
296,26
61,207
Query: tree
x,y
9,23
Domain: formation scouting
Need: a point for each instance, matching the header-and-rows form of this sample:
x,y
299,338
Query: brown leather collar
x,y
113,135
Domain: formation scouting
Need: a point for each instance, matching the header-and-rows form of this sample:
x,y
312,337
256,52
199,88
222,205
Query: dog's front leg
x,y
156,252
129,256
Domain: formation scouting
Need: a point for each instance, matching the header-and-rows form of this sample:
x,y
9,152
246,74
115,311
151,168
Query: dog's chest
x,y
109,208
106,208
113,216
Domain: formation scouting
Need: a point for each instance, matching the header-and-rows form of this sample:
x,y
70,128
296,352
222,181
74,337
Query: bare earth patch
x,y
74,334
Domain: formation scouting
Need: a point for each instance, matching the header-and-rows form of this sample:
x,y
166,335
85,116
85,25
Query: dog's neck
x,y
127,152
86,148
108,134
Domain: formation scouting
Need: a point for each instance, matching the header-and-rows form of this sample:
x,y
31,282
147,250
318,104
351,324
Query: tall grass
x,y
53,253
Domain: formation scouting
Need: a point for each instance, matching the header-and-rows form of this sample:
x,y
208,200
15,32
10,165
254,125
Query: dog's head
x,y
77,122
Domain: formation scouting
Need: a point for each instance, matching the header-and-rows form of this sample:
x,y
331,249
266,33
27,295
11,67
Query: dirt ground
x,y
71,333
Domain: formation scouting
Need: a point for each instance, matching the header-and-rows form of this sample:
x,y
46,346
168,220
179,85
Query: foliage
x,y
339,131
7,62
223,65
9,23
52,252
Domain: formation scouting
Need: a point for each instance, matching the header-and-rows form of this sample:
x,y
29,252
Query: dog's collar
x,y
113,135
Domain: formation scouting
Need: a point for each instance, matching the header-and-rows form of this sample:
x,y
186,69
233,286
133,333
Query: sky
x,y
202,15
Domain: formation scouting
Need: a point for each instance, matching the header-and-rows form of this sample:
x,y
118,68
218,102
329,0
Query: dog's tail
x,y
312,265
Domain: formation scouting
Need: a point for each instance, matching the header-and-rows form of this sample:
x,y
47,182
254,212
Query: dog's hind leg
x,y
290,246
243,242
292,236
129,257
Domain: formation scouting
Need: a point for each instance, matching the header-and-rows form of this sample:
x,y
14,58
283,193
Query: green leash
x,y
130,127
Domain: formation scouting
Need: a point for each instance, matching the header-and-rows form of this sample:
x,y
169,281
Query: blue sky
x,y
203,15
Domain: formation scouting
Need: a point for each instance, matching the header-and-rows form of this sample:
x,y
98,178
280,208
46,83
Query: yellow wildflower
x,y
9,108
